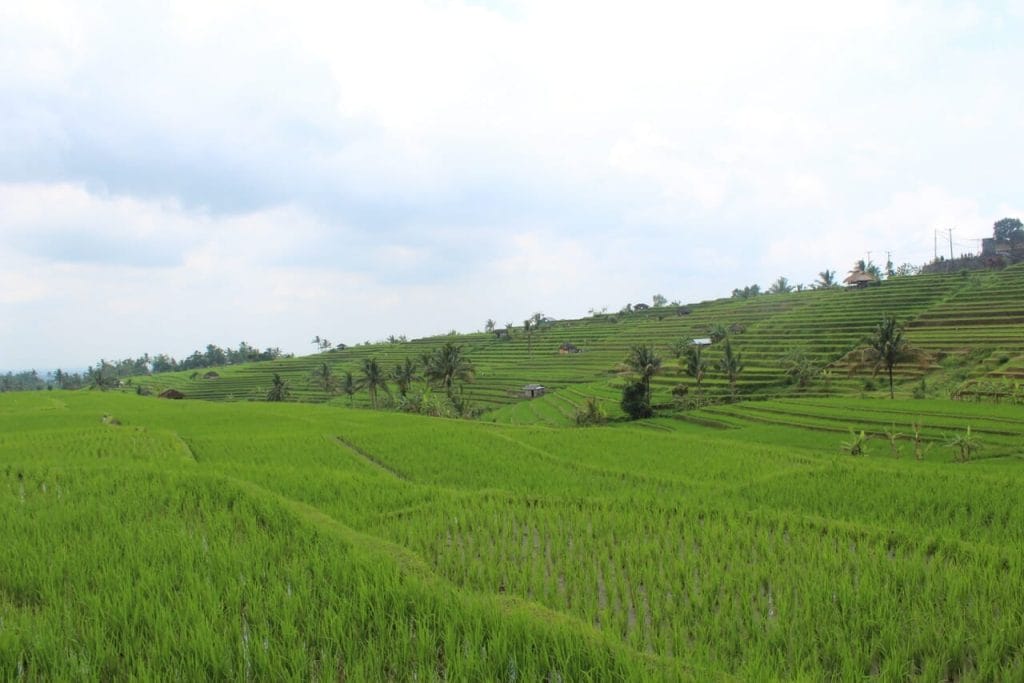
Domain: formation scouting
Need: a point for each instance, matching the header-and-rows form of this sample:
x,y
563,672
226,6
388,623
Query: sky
x,y
178,174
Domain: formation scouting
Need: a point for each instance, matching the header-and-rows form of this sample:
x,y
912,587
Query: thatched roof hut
x,y
859,278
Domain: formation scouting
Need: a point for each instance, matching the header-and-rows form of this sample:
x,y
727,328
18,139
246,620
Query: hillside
x,y
972,324
271,541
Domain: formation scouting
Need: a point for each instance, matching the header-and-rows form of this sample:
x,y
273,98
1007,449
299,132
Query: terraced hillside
x,y
972,325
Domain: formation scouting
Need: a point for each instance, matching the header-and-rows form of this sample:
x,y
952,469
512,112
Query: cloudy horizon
x,y
172,177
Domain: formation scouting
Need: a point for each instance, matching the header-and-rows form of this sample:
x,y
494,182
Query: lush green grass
x,y
196,540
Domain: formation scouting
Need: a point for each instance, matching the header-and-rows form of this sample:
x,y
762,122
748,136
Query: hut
x,y
533,391
859,279
211,375
568,347
501,333
171,393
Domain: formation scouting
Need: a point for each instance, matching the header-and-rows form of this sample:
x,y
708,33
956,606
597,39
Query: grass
x,y
199,540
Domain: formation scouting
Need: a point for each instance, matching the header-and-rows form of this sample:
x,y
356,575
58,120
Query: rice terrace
x,y
777,516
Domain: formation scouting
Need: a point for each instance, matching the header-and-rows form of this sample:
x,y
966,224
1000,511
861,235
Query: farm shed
x,y
701,341
533,391
568,347
501,334
171,393
211,375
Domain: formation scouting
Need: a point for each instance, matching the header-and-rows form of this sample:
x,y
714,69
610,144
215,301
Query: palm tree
x,y
694,365
731,365
489,326
373,379
325,378
780,286
348,386
826,279
404,375
315,341
643,361
279,389
887,347
447,365
528,330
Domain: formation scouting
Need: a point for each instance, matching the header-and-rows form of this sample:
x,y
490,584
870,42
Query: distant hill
x,y
971,323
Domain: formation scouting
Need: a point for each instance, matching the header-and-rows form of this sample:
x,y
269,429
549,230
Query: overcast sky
x,y
269,172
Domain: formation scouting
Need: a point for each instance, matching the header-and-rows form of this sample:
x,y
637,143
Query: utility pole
x,y
935,239
951,244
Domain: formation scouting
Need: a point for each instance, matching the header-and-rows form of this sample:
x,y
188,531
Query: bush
x,y
634,401
591,414
921,390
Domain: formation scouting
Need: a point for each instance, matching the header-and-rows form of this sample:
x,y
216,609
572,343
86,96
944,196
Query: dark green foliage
x,y
1008,230
279,390
634,401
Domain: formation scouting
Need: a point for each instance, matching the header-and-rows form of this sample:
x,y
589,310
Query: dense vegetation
x,y
195,540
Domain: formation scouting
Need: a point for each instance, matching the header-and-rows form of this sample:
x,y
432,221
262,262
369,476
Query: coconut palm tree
x,y
279,390
404,375
448,365
780,286
325,378
373,379
826,279
887,347
693,365
643,361
528,330
731,365
348,386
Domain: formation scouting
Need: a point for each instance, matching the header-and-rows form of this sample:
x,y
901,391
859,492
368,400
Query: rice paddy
x,y
198,540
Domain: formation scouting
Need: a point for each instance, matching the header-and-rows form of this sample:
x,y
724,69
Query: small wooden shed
x,y
859,278
533,391
568,347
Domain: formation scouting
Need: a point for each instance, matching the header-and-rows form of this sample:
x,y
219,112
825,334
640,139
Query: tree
x,y
693,365
887,347
717,332
826,279
643,361
404,375
634,401
731,366
780,286
315,341
348,386
447,365
1008,230
489,326
325,378
590,414
373,379
747,292
658,300
528,331
279,390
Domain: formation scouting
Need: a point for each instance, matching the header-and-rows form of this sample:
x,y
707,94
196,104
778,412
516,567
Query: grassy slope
x,y
973,325
207,540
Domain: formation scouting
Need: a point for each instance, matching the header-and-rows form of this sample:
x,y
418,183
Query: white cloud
x,y
252,169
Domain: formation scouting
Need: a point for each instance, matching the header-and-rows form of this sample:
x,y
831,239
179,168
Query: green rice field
x,y
196,540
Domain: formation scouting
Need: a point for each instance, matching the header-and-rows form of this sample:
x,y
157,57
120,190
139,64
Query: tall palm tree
x,y
528,330
404,375
373,379
780,286
325,378
693,365
348,385
887,348
731,365
643,361
448,365
489,326
279,390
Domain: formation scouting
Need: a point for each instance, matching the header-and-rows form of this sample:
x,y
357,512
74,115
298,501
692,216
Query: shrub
x,y
634,401
590,414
